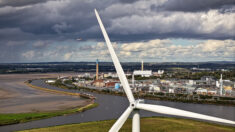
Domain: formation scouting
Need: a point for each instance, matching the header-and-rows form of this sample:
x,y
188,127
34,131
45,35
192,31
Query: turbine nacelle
x,y
136,105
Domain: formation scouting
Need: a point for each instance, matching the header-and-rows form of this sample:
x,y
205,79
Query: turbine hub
x,y
133,104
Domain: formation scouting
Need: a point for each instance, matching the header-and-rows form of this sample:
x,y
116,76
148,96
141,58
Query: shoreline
x,y
31,110
158,97
9,119
51,90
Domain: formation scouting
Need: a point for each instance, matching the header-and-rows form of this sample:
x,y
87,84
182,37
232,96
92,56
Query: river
x,y
111,107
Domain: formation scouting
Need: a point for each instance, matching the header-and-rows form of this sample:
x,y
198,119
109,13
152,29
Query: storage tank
x,y
117,86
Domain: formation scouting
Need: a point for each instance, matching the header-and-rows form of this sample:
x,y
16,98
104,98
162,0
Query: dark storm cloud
x,y
227,9
75,18
193,5
128,1
33,30
17,3
15,34
52,18
131,20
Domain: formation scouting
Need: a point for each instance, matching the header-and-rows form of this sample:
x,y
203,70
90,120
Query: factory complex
x,y
206,85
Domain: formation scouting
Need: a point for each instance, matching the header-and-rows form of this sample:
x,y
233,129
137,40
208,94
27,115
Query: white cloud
x,y
213,45
68,56
29,54
126,54
159,50
166,50
138,46
39,44
100,45
138,18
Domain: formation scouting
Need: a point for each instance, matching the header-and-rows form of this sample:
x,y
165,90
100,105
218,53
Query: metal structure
x,y
221,85
97,69
136,105
142,65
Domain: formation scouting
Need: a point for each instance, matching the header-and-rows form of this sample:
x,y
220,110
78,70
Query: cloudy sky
x,y
152,30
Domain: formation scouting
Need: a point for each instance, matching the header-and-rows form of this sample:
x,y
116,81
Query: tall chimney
x,y
142,65
221,85
97,69
133,80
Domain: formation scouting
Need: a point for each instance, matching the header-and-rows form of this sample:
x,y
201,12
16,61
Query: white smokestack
x,y
142,65
221,85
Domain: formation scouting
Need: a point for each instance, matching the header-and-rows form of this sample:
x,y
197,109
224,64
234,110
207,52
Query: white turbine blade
x,y
121,120
136,121
178,112
116,62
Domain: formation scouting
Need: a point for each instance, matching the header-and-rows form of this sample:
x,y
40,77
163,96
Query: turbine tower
x,y
136,105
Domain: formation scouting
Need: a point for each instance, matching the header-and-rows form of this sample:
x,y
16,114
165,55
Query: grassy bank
x,y
6,119
153,124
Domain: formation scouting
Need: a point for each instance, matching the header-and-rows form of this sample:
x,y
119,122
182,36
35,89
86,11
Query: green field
x,y
153,124
6,119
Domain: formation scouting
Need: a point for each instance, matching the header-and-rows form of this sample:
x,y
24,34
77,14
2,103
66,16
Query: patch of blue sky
x,y
186,42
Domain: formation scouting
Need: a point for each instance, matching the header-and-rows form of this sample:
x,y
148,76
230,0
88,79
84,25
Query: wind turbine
x,y
136,105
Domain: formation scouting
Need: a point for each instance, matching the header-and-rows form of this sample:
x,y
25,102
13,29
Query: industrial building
x,y
98,83
142,72
50,81
146,73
